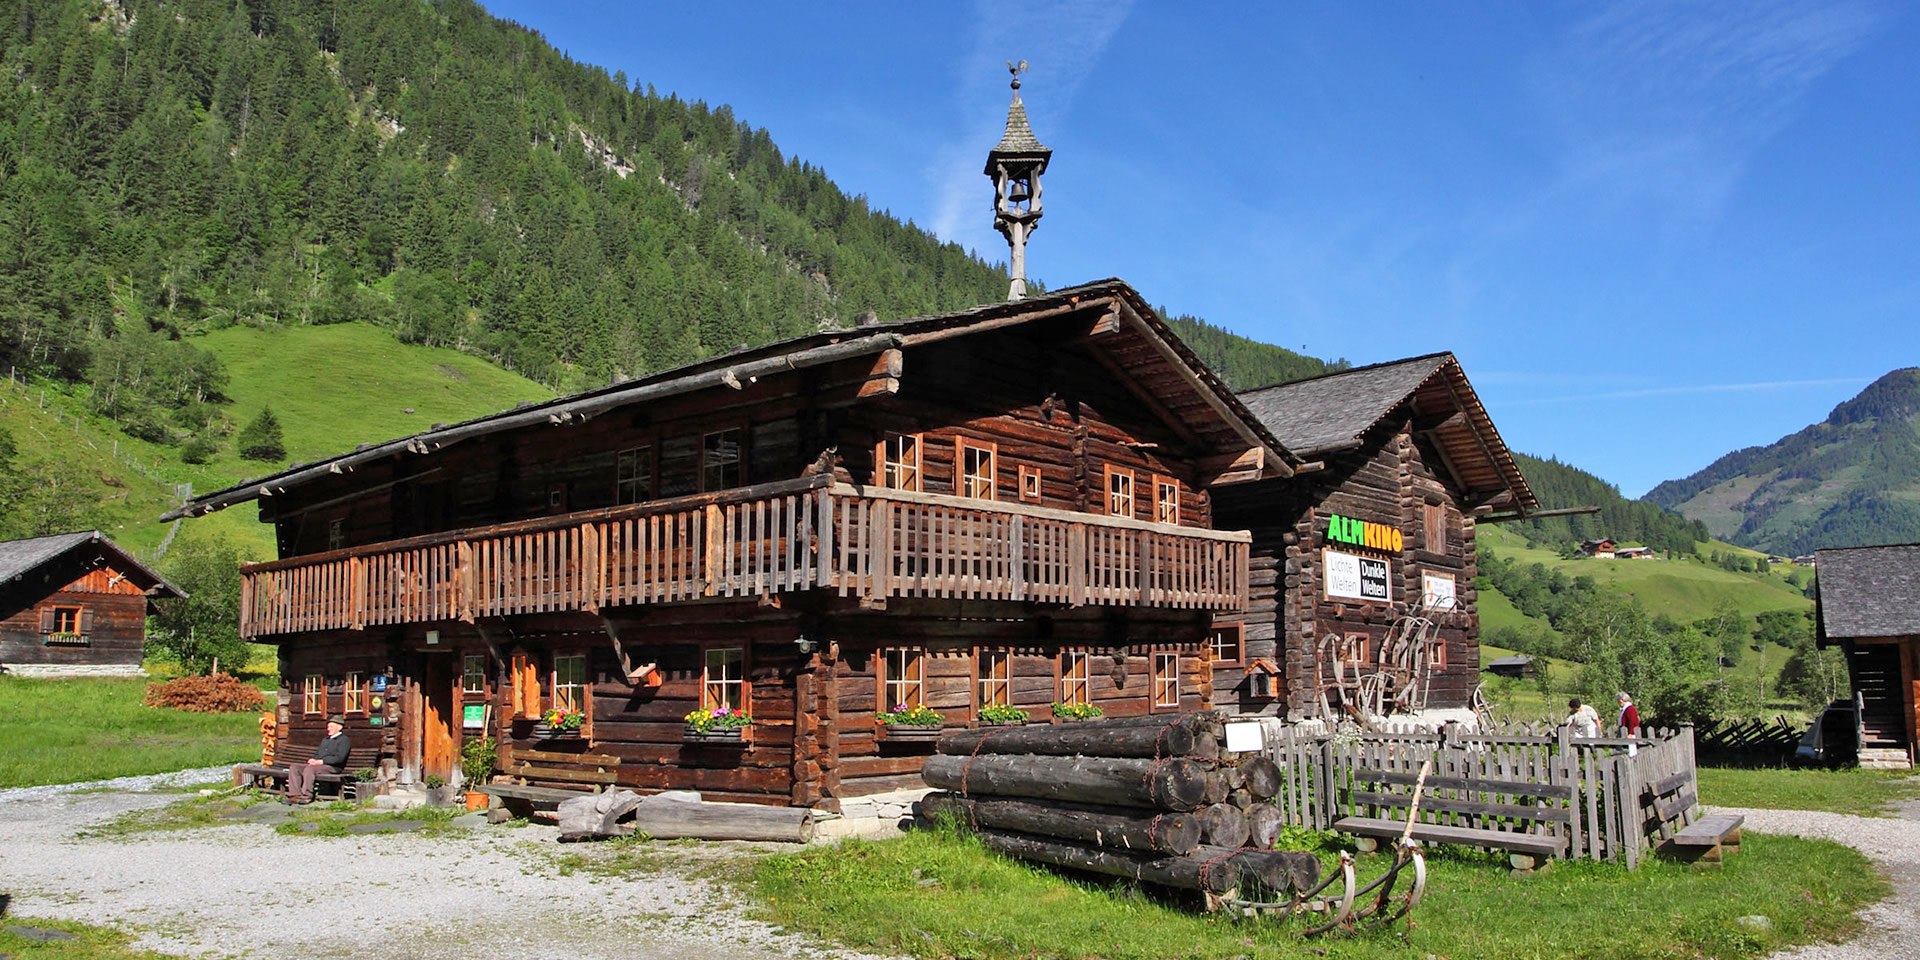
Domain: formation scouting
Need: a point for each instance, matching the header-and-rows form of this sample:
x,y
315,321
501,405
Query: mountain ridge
x,y
1850,479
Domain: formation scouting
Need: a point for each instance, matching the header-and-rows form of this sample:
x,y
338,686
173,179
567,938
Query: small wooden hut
x,y
1868,605
75,604
1363,564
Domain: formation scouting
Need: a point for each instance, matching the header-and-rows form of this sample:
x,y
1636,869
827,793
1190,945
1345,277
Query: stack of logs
x,y
1152,799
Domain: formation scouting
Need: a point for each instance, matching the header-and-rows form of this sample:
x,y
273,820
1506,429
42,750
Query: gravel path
x,y
1893,925
241,890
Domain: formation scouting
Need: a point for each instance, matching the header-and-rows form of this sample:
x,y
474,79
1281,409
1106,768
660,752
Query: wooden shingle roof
x,y
18,558
1333,412
1869,591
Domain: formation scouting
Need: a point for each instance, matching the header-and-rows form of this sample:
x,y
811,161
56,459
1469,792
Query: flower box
x,y
730,736
901,731
1003,723
544,731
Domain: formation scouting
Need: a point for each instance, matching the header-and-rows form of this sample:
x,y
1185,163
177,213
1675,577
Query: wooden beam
x,y
1274,465
1226,468
634,674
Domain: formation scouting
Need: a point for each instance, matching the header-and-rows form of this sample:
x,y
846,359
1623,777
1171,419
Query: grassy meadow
x,y
68,731
1865,793
1685,589
935,894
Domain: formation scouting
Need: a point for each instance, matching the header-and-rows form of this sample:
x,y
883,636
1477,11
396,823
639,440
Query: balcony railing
x,y
807,534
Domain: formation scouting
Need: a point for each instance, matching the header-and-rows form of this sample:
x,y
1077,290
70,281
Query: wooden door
x,y
438,714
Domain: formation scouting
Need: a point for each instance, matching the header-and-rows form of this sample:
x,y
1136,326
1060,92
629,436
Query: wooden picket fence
x,y
1600,801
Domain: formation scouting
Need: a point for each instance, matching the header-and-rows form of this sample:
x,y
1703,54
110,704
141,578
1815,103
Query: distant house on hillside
x,y
1805,560
74,604
1519,665
1634,553
1868,605
1600,549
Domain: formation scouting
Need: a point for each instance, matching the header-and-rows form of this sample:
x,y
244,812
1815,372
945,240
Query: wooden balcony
x,y
809,534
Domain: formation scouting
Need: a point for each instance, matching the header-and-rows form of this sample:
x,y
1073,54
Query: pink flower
x,y
722,712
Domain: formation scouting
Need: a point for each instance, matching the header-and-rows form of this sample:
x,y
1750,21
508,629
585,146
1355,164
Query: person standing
x,y
329,757
1582,720
1629,714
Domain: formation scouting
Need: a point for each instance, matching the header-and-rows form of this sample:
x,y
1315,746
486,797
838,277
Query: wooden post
x,y
589,574
825,563
357,593
463,581
1077,565
715,545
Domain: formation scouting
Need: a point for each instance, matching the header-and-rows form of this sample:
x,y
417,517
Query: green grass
x,y
1684,589
1869,793
67,731
90,943
932,894
1521,700
336,386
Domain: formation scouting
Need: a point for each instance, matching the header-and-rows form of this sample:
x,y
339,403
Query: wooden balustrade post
x,y
882,584
825,563
1077,561
463,581
1017,556
715,545
357,593
589,576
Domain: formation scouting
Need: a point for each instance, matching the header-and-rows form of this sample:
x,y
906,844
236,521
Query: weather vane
x,y
1016,70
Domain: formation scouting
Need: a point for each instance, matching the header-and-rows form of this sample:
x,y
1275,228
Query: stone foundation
x,y
61,671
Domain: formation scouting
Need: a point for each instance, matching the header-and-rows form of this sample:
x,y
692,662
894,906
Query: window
x,y
720,458
1354,651
1166,500
724,682
633,476
1119,492
1166,680
899,459
66,620
1434,516
313,694
902,677
1436,653
976,469
1030,484
1073,676
995,667
473,673
336,533
353,694
1228,642
570,681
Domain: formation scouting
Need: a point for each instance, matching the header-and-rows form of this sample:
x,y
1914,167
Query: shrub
x,y
219,693
261,439
198,450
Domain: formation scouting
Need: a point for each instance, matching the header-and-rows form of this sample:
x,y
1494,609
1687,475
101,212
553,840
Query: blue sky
x,y
1653,232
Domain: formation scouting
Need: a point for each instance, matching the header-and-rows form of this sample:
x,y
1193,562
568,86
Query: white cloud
x,y
1692,389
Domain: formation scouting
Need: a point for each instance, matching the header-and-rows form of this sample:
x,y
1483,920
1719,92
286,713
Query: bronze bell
x,y
1019,190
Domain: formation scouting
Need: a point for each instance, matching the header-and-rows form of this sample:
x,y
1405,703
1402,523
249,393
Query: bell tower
x,y
1015,167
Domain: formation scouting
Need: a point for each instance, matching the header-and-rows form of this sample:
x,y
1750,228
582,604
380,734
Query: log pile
x,y
1153,799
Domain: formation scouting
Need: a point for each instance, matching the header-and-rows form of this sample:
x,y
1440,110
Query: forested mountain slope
x,y
1562,485
1852,479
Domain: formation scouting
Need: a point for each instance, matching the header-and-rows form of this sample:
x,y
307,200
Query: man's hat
x,y
336,718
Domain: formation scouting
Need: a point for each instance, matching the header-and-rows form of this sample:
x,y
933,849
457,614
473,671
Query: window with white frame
x,y
1227,643
1119,492
570,681
473,673
1074,688
1166,680
353,693
995,666
723,683
1166,500
900,461
313,694
902,677
976,470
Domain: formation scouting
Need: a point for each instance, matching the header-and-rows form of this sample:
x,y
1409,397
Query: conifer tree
x,y
261,439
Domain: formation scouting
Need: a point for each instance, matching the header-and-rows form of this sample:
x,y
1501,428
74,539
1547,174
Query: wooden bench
x,y
565,770
1532,832
1709,839
273,777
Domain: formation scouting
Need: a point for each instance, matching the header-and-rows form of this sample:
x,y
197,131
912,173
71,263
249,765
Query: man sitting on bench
x,y
329,757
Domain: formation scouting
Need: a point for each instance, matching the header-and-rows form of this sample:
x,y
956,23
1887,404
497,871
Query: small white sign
x,y
1354,577
1438,589
1245,737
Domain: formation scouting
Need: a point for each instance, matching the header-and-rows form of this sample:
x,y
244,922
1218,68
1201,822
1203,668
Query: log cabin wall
x,y
323,676
69,613
1393,479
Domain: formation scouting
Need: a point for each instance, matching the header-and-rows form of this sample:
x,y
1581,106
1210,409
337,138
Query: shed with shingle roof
x,y
74,604
1868,605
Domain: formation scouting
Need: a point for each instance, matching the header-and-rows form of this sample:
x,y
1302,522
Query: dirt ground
x,y
240,889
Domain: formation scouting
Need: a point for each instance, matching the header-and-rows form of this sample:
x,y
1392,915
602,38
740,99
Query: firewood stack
x,y
1154,799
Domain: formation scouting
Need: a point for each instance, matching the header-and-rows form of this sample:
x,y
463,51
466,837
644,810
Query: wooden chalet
x,y
1008,505
1868,605
75,604
1363,564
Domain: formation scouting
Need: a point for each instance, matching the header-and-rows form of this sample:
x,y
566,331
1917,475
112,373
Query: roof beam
x,y
1275,465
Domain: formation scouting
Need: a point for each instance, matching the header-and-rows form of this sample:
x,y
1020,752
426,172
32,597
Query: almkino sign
x,y
1363,533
